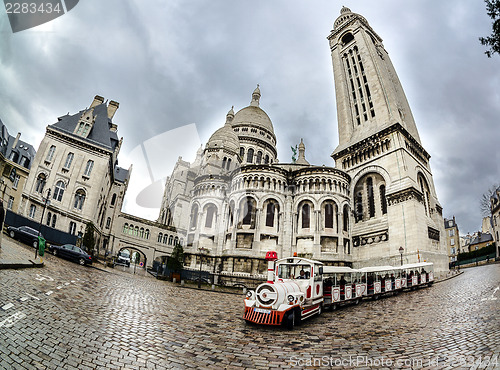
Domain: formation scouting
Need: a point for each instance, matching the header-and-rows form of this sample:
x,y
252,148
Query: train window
x,y
294,271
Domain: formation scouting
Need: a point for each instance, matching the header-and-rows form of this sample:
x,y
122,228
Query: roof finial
x,y
255,97
230,115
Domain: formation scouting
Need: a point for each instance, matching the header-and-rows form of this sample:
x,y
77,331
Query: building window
x,y
242,152
358,205
113,199
10,203
79,199
49,216
54,221
371,198
24,162
250,155
32,211
40,183
346,218
141,232
165,239
72,228
88,168
248,212
170,240
306,216
160,237
383,199
258,160
125,228
266,160
228,163
194,216
270,212
50,154
328,216
59,191
16,182
452,232
69,160
210,216
452,241
146,234
108,222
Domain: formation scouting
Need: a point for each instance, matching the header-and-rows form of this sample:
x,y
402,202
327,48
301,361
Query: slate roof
x,y
482,238
121,174
100,133
22,148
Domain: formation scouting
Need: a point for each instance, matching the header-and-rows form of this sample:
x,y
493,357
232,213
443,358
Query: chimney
x,y
97,100
16,140
112,107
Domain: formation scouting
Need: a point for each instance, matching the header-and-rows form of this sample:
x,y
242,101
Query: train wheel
x,y
357,301
320,309
290,320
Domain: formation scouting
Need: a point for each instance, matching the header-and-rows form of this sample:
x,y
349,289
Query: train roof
x,y
416,265
378,268
338,269
298,260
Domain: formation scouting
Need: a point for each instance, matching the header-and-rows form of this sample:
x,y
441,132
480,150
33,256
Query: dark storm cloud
x,y
173,63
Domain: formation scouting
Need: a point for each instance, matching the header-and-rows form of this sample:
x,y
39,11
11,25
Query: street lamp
x,y
401,250
203,251
46,202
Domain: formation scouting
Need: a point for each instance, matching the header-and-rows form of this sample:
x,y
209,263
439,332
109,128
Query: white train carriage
x,y
298,288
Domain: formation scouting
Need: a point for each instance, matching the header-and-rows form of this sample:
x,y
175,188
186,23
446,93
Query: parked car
x,y
71,252
25,234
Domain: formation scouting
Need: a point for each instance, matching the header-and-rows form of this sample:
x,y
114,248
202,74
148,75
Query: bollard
x,y
174,280
182,282
213,286
244,290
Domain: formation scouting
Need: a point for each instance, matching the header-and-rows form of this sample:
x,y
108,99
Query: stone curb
x,y
449,277
18,264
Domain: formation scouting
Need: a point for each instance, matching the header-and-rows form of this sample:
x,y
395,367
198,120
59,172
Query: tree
x,y
493,41
176,261
485,203
88,240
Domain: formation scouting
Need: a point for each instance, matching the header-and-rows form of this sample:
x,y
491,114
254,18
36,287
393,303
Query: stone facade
x,y
495,219
452,239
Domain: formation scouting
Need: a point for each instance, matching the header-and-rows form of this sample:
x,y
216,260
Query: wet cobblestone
x,y
93,319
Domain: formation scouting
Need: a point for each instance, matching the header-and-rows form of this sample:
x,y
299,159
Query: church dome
x,y
225,137
253,115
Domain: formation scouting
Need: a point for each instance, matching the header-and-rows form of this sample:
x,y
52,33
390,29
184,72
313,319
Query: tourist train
x,y
298,288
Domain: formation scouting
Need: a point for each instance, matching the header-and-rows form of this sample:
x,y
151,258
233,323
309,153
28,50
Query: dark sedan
x,y
71,252
25,234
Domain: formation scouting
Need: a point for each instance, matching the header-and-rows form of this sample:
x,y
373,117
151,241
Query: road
x,y
70,316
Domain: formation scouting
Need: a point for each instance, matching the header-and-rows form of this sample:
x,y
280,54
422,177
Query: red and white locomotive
x,y
298,288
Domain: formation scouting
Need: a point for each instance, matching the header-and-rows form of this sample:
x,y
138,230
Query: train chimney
x,y
271,257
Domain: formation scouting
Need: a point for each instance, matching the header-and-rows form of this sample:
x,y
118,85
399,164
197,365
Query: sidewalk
x,y
15,256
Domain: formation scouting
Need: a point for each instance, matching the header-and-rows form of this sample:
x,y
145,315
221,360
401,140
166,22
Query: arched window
x,y
371,198
242,152
165,239
108,222
224,163
266,160
258,160
346,218
59,191
228,163
72,228
54,220
131,230
141,232
160,237
88,168
113,199
270,213
176,241
328,216
146,234
69,160
383,199
32,211
49,216
79,199
424,188
306,216
170,240
50,154
40,183
211,209
125,228
347,38
136,231
248,212
358,204
194,216
250,155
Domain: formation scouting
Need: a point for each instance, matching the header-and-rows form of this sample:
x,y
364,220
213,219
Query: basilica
x,y
376,205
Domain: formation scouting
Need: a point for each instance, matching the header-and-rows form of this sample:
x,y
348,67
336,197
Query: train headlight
x,y
249,294
290,298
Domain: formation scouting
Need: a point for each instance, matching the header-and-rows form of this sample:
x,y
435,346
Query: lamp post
x,y
203,251
46,202
401,250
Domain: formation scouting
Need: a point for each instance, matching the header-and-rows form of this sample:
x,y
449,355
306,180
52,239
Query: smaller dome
x,y
224,138
345,10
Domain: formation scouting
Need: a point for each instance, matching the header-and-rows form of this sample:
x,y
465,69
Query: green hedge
x,y
477,253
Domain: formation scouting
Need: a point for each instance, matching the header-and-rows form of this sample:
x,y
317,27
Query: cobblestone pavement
x,y
70,316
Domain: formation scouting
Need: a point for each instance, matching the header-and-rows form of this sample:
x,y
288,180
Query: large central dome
x,y
253,115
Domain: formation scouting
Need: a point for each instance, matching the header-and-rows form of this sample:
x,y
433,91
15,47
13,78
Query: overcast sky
x,y
175,63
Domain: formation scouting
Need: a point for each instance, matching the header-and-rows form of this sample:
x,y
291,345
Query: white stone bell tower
x,y
394,203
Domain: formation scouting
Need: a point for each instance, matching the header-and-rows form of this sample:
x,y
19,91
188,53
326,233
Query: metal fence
x,y
488,257
52,236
